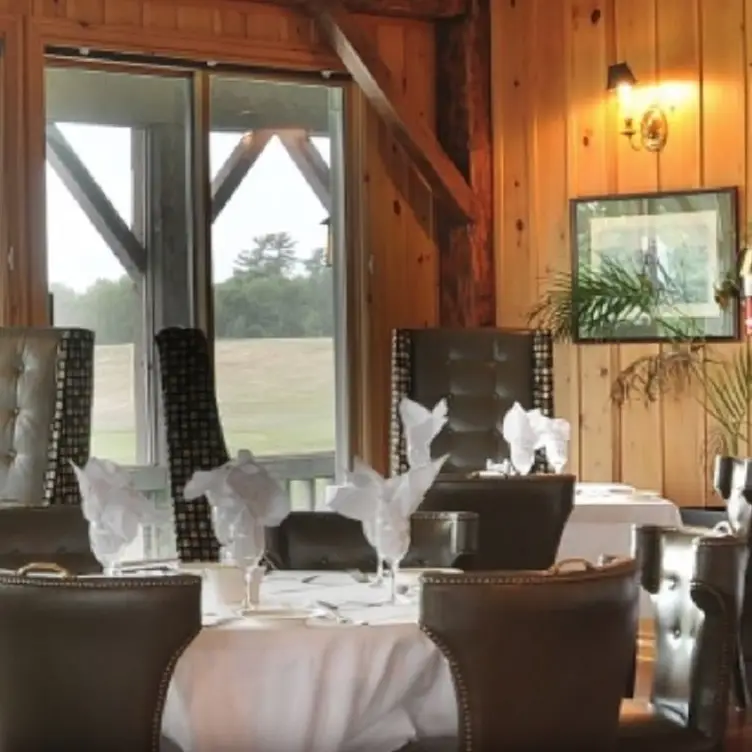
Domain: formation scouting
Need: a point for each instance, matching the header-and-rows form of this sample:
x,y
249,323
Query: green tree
x,y
272,255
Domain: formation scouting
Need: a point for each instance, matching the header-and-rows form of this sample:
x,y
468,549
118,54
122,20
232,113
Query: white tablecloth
x,y
601,523
324,688
346,688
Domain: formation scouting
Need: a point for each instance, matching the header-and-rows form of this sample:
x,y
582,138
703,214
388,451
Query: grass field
x,y
276,396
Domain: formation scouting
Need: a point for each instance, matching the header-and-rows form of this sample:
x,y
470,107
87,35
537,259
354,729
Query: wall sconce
x,y
653,130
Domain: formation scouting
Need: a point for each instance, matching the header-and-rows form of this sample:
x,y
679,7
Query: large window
x,y
116,160
274,294
135,243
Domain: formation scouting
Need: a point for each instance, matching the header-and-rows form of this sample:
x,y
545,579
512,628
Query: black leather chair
x,y
58,534
522,518
481,373
538,658
329,541
85,663
695,582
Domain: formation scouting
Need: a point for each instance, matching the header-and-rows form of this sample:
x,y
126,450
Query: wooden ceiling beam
x,y
361,59
425,10
463,126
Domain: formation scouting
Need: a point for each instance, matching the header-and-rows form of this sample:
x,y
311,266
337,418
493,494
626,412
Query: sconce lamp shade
x,y
620,74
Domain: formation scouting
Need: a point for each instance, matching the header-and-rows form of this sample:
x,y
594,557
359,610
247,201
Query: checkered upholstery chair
x,y
482,373
46,391
195,440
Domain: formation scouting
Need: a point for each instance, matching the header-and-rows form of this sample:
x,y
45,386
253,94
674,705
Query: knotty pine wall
x,y
389,205
556,138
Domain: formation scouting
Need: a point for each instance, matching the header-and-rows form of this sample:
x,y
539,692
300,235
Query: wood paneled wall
x,y
394,258
556,137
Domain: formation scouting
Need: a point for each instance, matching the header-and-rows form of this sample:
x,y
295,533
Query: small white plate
x,y
280,617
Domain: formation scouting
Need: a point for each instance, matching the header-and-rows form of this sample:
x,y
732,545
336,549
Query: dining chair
x,y
328,541
521,517
46,391
85,662
695,581
57,534
538,659
481,373
195,440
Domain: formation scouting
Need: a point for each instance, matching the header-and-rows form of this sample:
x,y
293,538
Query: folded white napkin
x,y
245,499
519,433
553,437
421,426
113,508
384,506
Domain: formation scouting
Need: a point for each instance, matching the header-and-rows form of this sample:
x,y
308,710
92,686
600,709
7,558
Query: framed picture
x,y
670,250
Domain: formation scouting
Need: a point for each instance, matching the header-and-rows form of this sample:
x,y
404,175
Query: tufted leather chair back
x,y
46,378
58,534
195,440
85,664
522,518
327,540
539,659
482,373
695,581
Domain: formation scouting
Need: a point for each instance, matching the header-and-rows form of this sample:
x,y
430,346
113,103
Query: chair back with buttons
x,y
539,659
195,440
695,582
481,373
329,541
85,663
522,518
46,388
58,534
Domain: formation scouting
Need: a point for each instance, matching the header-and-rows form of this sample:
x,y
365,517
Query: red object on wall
x,y
748,316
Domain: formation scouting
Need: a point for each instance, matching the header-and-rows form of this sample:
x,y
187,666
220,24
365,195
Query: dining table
x,y
325,663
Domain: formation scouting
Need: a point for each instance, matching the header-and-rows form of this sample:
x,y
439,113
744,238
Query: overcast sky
x,y
274,197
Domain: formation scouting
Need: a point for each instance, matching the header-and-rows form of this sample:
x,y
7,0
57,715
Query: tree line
x,y
271,294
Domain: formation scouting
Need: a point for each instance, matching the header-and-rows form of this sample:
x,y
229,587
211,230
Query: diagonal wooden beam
x,y
361,59
94,203
309,161
236,167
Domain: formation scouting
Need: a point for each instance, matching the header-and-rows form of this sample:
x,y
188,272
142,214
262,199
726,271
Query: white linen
x,y
325,687
602,524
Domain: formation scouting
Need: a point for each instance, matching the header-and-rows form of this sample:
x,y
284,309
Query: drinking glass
x,y
107,548
372,531
394,542
246,547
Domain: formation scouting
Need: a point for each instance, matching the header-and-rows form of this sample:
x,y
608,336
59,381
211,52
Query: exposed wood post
x,y
463,126
310,163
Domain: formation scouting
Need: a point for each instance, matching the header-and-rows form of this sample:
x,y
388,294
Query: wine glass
x,y
246,548
372,532
107,548
394,542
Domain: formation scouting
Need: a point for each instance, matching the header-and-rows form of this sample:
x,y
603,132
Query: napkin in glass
x,y
519,433
113,508
245,499
421,426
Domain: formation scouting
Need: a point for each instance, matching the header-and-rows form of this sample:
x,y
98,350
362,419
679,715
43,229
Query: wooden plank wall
x,y
556,138
392,243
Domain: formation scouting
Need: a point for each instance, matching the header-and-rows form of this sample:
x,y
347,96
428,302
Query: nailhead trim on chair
x,y
615,567
122,583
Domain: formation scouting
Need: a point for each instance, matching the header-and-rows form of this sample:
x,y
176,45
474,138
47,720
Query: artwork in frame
x,y
684,244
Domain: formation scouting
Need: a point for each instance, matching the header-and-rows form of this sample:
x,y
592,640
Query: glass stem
x,y
394,566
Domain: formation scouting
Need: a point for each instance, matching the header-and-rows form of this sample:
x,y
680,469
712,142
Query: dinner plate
x,y
279,617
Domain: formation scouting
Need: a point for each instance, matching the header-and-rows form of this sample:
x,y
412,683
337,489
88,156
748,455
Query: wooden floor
x,y
739,737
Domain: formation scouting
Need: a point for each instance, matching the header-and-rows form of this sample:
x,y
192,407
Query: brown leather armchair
x,y
58,534
695,582
522,518
327,540
539,659
85,663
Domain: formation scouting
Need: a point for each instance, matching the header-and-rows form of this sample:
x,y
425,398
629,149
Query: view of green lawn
x,y
276,396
